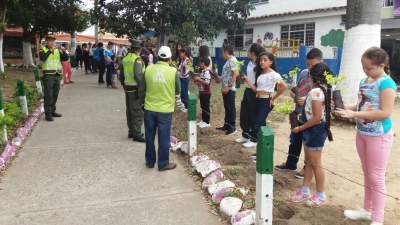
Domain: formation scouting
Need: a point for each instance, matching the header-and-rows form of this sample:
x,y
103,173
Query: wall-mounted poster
x,y
396,8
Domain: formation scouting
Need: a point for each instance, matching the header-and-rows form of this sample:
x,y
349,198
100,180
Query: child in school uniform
x,y
204,81
113,71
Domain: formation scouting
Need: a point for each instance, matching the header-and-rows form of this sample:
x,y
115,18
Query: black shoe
x,y
56,115
131,135
224,128
149,166
231,131
138,138
49,118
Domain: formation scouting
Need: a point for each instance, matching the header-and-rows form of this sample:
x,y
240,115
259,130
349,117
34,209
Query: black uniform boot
x,y
49,117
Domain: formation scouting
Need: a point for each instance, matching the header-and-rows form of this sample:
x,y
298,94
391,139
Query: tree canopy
x,y
40,17
187,19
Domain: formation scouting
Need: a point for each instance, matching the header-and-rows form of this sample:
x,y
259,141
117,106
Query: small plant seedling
x,y
234,171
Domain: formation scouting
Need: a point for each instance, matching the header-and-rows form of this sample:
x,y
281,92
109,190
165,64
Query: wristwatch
x,y
230,85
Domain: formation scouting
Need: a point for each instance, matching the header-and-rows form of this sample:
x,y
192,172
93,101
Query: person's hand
x,y
301,100
296,130
196,78
271,102
292,95
225,90
53,47
345,113
62,49
245,78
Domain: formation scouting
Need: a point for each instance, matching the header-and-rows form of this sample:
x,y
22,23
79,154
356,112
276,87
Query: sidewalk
x,y
82,169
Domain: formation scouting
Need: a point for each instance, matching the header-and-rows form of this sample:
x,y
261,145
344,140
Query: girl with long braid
x,y
316,114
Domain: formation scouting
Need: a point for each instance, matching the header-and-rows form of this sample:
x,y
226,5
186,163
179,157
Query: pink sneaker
x,y
300,196
316,201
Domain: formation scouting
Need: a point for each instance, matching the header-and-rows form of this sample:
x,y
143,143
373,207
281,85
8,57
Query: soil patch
x,y
7,85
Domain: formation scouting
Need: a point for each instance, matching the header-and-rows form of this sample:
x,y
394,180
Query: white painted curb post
x,y
3,129
22,97
192,131
37,80
264,176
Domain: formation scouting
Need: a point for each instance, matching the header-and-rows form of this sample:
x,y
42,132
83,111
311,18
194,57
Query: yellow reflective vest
x,y
128,62
52,65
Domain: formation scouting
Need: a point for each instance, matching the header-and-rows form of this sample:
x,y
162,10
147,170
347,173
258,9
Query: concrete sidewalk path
x,y
82,169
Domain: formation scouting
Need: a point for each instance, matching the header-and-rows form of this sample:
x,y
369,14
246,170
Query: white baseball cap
x,y
164,52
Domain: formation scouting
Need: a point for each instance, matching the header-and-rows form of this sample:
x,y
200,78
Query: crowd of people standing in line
x,y
153,89
313,105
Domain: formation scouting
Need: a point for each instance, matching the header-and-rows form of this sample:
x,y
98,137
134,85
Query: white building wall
x,y
279,6
324,21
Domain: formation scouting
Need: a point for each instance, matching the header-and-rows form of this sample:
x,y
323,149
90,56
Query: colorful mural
x,y
333,39
268,36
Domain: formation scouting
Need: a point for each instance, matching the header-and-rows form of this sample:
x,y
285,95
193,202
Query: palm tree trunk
x,y
363,30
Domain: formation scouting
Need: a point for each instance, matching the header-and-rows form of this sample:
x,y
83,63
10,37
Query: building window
x,y
343,20
241,39
12,47
303,32
258,1
387,3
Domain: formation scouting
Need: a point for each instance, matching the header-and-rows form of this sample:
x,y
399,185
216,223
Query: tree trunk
x,y
73,42
96,26
1,53
28,60
363,30
3,21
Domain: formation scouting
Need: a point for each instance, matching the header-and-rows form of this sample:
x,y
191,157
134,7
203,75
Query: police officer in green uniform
x,y
131,73
52,73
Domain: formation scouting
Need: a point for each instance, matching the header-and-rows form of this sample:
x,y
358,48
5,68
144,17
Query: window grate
x,y
303,32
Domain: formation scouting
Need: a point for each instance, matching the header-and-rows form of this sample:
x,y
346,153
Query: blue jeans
x,y
185,90
162,121
262,111
296,143
230,109
108,75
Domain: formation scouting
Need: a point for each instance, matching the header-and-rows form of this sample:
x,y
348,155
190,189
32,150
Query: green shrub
x,y
9,63
12,117
3,75
31,95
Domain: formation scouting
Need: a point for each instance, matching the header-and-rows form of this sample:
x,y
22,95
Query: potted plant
x,y
336,93
287,108
215,74
239,79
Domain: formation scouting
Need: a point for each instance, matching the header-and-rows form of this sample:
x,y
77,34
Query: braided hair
x,y
317,72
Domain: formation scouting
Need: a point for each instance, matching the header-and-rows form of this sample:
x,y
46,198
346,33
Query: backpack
x,y
96,54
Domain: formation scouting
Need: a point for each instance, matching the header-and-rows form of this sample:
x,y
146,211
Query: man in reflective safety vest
x,y
157,90
131,73
52,73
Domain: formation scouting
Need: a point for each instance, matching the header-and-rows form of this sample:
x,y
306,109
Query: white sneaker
x,y
200,123
204,125
249,144
376,223
241,140
358,214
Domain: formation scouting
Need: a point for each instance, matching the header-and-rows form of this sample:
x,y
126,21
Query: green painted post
x,y
3,129
37,80
192,108
192,131
264,176
22,97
